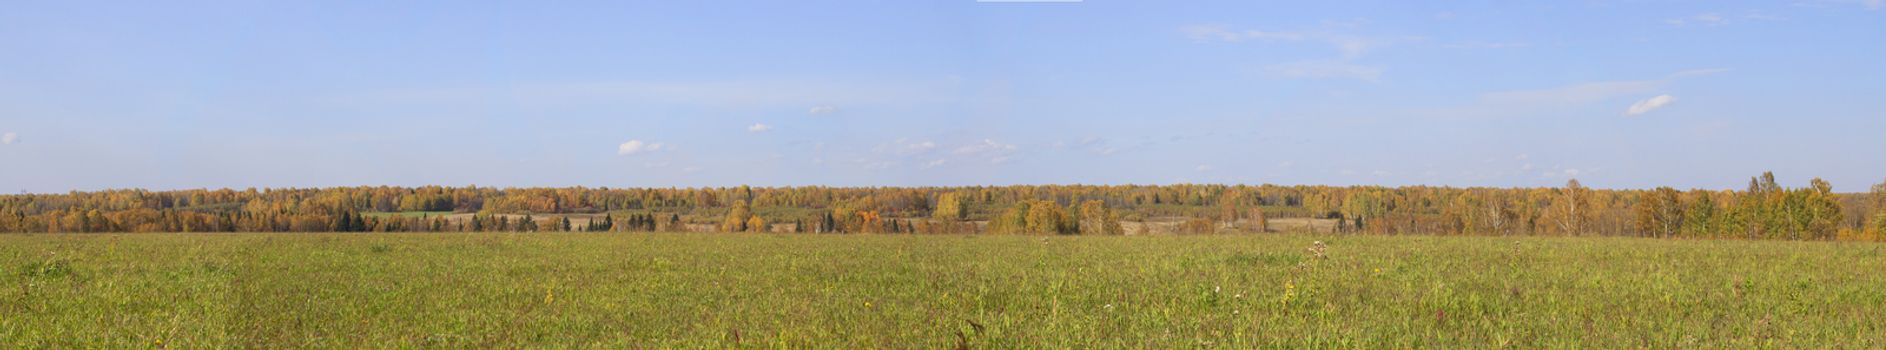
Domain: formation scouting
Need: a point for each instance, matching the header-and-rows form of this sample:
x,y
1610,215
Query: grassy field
x,y
406,214
702,290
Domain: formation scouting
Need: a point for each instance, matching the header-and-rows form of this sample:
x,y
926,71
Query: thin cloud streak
x,y
1650,104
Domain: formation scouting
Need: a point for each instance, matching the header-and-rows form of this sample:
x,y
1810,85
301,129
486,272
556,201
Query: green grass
x,y
828,291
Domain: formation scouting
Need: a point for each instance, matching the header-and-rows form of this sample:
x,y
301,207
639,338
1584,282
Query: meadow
x,y
505,290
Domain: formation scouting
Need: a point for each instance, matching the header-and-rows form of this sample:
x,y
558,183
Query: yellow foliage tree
x,y
737,217
949,207
757,224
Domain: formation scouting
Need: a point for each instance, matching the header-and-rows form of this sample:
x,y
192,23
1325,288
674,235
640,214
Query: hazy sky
x,y
175,94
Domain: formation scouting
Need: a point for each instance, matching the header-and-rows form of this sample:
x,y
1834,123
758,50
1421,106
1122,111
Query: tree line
x,y
1763,210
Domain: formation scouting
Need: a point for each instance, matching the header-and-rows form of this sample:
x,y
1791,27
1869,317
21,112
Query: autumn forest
x,y
1765,210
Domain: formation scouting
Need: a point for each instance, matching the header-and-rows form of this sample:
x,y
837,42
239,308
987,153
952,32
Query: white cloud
x,y
1093,144
906,147
995,152
1524,102
1760,16
905,152
876,165
1204,168
1350,46
1573,94
1868,4
634,147
1220,33
1325,70
1717,19
818,95
1710,18
1487,45
984,147
758,127
1515,102
9,138
1650,104
1566,173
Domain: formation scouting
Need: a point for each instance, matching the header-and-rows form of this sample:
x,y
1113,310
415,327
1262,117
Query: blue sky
x,y
1619,94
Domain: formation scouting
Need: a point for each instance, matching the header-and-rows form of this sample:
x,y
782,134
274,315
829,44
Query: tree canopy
x,y
1764,210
